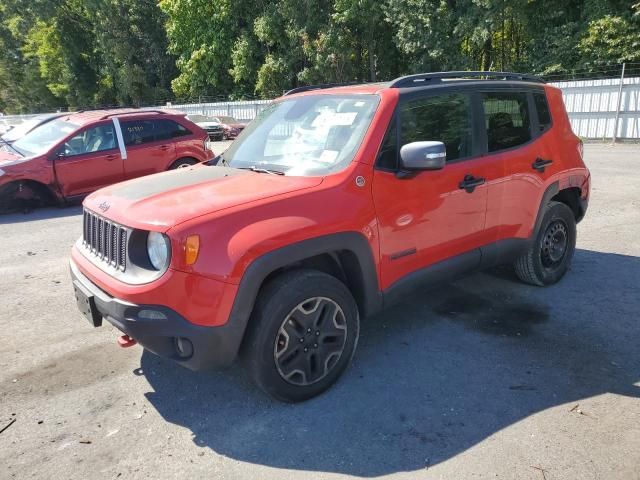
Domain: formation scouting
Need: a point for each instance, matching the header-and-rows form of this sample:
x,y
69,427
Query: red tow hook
x,y
125,341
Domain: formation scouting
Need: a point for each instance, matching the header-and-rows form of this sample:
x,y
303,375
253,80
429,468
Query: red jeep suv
x,y
73,155
334,203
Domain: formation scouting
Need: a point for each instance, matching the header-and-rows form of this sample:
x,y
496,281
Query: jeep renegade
x,y
335,202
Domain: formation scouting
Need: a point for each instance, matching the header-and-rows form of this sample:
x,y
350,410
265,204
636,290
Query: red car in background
x,y
73,155
230,126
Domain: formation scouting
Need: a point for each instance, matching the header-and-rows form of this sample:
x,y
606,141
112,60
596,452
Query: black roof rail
x,y
321,86
421,79
137,112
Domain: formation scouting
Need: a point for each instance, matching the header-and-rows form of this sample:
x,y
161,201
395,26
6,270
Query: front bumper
x,y
212,347
217,133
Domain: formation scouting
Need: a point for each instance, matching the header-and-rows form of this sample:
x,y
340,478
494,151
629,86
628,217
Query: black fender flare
x,y
551,191
256,273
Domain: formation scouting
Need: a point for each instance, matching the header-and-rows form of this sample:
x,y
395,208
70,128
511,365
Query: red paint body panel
x,y
203,301
162,211
434,217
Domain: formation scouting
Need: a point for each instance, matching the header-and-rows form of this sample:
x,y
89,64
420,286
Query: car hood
x,y
208,124
8,158
159,202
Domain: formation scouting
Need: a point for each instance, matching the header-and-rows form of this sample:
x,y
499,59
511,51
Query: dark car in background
x,y
25,127
211,125
230,126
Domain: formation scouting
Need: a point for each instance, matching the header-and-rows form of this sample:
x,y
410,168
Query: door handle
x,y
111,158
540,164
164,147
470,183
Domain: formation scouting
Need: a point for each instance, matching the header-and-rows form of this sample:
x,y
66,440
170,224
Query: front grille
x,y
105,239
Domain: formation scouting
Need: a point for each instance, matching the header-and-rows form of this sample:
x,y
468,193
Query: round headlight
x,y
158,250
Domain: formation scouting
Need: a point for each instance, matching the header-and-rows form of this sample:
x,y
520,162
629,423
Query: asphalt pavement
x,y
482,378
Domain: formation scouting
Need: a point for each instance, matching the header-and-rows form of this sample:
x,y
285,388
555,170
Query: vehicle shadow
x,y
432,377
44,213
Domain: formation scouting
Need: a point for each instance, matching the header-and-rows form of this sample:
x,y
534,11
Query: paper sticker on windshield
x,y
333,119
328,156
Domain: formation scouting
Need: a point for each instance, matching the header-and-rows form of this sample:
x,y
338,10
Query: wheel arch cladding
x,y
570,197
551,191
349,250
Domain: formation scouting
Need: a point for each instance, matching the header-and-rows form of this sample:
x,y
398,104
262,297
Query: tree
x,y
609,40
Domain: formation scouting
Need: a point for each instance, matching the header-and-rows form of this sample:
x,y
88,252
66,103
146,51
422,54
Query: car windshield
x,y
200,118
42,138
309,135
22,129
227,120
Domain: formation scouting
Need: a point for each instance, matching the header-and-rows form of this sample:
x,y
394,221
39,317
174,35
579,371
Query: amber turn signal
x,y
191,249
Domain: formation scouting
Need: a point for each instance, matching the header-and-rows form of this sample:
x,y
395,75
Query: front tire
x,y
183,163
549,256
303,333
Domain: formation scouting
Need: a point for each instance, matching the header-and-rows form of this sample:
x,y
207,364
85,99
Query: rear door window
x,y
542,109
440,118
138,132
168,129
506,119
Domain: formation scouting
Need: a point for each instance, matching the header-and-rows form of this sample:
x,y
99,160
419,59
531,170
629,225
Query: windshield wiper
x,y
253,168
12,147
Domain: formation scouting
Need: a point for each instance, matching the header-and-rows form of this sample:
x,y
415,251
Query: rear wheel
x,y
304,331
549,256
183,163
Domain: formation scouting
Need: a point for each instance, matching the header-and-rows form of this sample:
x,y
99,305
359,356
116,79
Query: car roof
x,y
90,116
421,81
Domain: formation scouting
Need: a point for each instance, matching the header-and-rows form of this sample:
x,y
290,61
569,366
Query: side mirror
x,y
418,156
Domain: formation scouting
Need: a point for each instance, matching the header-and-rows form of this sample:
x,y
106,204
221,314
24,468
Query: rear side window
x,y
506,119
542,107
137,132
167,129
441,118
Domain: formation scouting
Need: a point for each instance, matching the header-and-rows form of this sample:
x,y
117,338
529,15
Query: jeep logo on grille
x,y
104,206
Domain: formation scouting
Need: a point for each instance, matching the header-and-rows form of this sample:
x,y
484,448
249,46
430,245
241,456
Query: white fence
x,y
592,106
245,111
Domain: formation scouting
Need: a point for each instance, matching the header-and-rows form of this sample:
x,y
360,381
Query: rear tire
x,y
549,256
183,163
303,334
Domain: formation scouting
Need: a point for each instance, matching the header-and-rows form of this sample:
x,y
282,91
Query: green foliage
x,y
611,40
57,53
71,53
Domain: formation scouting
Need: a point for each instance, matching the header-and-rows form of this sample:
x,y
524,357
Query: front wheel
x,y
183,163
549,256
303,333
